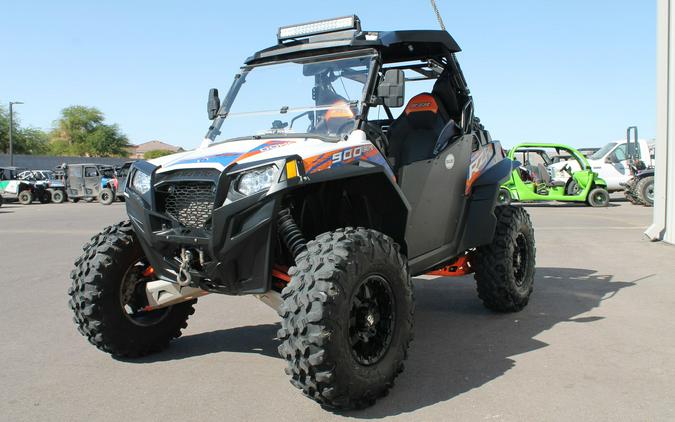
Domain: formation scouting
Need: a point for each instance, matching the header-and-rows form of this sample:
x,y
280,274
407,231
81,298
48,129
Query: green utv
x,y
536,179
340,164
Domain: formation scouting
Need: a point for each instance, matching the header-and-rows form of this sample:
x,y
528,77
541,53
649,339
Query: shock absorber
x,y
290,233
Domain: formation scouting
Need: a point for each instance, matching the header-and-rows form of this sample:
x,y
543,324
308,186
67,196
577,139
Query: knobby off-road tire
x,y
645,191
106,197
95,298
504,269
25,197
323,324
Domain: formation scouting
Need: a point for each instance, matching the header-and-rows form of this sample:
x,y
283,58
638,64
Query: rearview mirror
x,y
213,105
391,90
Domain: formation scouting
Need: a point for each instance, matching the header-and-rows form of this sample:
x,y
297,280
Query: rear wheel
x,y
598,197
347,318
572,188
25,197
504,197
74,200
645,191
106,197
58,197
504,269
108,297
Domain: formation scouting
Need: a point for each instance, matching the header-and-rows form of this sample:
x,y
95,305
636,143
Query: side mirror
x,y
609,160
391,90
213,105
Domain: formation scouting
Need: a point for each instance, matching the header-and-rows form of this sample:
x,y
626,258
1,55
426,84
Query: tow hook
x,y
183,277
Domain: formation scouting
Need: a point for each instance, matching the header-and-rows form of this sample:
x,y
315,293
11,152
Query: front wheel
x,y
504,269
25,197
108,297
106,197
347,318
598,197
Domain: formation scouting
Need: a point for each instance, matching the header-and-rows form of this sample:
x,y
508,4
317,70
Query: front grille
x,y
191,203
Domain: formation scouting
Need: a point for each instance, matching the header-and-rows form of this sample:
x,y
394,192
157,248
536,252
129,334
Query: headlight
x,y
256,180
141,182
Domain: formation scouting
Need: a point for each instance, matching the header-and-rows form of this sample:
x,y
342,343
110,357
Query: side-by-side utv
x,y
340,164
535,180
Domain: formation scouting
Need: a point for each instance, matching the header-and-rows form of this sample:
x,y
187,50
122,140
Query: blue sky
x,y
577,72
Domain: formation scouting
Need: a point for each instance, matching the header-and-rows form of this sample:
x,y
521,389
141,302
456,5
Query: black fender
x,y
382,204
481,221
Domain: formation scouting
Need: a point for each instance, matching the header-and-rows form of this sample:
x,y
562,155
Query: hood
x,y
222,156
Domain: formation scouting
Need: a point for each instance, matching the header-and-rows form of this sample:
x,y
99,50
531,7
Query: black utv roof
x,y
394,46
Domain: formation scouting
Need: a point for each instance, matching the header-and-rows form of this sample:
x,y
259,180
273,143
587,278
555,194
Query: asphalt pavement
x,y
597,341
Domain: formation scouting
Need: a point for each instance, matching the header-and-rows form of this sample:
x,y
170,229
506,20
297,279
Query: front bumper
x,y
236,247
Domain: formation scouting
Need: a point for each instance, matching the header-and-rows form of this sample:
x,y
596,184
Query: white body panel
x,y
222,155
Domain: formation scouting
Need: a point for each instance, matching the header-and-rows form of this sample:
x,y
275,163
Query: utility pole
x,y
11,129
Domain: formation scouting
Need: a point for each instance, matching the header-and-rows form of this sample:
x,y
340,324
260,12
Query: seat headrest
x,y
424,111
445,92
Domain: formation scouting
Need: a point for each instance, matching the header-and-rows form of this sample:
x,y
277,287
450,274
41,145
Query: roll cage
x,y
427,53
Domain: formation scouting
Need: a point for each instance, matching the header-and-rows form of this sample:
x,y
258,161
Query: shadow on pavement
x,y
459,345
258,339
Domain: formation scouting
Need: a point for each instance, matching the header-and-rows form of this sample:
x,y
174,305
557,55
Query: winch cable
x,y
438,14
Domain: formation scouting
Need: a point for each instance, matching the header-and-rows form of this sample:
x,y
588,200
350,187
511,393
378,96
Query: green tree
x,y
24,140
156,153
81,131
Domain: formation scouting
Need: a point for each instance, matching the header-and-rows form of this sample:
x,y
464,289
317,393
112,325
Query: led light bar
x,y
319,27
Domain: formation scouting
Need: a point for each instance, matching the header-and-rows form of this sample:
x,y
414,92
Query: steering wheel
x,y
567,168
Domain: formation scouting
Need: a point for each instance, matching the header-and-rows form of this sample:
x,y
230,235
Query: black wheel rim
x,y
371,320
520,259
105,197
133,299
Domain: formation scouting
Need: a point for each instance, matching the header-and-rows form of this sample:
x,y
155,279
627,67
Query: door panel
x,y
75,181
92,181
435,190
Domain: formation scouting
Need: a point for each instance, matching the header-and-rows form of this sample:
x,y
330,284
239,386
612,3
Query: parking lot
x,y
596,342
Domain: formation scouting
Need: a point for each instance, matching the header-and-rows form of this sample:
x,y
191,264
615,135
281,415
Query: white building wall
x,y
663,227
